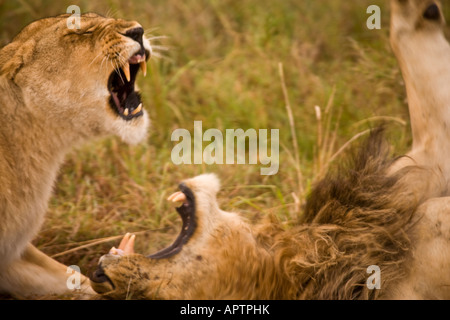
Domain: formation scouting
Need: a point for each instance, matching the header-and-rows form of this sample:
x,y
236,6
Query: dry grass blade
x,y
381,118
341,149
293,132
328,137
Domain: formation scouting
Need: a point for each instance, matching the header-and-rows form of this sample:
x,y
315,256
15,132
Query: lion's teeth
x,y
138,109
177,197
126,71
173,195
129,246
125,113
143,66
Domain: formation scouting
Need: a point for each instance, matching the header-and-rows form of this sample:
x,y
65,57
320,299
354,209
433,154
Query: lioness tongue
x,y
116,100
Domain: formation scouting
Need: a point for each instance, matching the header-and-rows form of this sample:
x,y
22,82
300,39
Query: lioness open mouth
x,y
124,100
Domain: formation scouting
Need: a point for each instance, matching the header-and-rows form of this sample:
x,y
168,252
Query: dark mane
x,y
354,218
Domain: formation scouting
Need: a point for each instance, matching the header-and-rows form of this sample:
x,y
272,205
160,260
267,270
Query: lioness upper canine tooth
x,y
125,113
143,66
139,108
126,71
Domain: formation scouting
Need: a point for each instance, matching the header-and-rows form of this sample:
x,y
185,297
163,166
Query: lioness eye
x,y
432,12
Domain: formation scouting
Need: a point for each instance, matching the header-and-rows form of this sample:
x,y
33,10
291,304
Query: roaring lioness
x,y
377,214
59,87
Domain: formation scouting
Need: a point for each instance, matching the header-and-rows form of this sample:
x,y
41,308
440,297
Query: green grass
x,y
222,68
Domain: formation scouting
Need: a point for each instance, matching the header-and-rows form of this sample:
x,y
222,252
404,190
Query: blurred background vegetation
x,y
219,62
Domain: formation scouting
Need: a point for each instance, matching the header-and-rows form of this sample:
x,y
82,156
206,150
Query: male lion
x,y
376,213
59,87
353,221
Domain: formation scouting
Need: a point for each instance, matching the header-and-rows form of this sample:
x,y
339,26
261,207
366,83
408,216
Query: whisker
x,y
152,38
120,74
116,68
111,13
160,48
151,30
121,58
95,59
103,60
160,56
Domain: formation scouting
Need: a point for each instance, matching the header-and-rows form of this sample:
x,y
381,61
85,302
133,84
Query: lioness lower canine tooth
x,y
125,113
139,108
143,66
126,71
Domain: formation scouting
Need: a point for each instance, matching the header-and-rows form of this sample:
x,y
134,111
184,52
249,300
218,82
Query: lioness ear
x,y
14,56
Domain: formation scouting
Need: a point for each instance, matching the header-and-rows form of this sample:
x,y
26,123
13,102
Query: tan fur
x,y
325,257
427,276
198,272
423,54
353,220
53,96
424,58
374,211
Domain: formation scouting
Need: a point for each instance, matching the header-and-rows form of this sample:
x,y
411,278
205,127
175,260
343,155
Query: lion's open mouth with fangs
x,y
187,212
124,100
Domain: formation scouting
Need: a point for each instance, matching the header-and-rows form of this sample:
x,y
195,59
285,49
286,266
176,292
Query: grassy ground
x,y
223,68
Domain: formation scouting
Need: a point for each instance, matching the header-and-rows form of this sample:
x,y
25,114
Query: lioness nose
x,y
135,34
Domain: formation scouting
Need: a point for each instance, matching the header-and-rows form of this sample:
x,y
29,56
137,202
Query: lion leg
x,y
36,274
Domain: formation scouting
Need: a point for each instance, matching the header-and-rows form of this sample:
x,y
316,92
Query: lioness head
x,y
83,79
210,259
